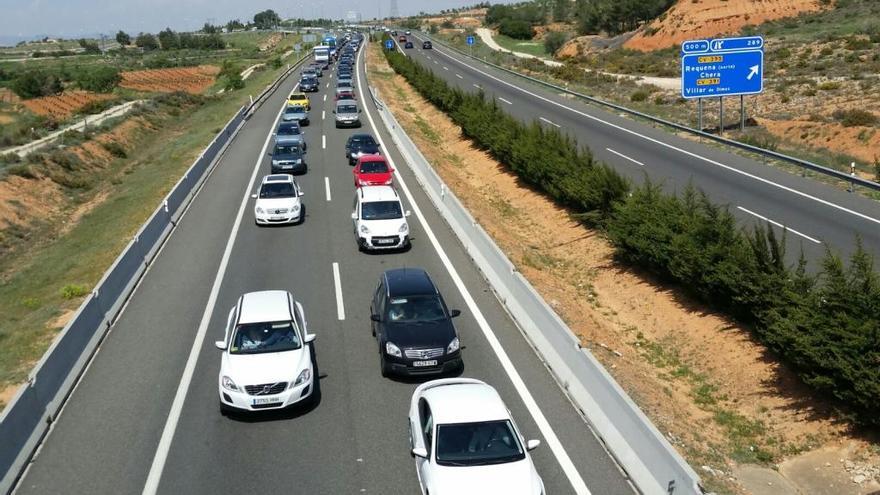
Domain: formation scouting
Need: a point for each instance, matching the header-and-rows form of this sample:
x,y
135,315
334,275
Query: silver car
x,y
290,133
347,114
296,113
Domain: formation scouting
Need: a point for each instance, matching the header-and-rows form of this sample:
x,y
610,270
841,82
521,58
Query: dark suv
x,y
413,326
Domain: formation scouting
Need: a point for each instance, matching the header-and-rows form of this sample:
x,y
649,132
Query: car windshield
x,y
288,130
256,338
475,444
347,109
363,141
299,96
381,210
414,309
295,109
374,167
286,149
277,190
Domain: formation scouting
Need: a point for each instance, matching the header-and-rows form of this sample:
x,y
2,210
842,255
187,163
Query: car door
x,y
355,215
426,422
376,308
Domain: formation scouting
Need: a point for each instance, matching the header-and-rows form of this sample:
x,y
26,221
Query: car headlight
x,y
453,346
275,162
304,376
295,208
260,210
392,350
364,229
363,182
298,161
403,228
228,384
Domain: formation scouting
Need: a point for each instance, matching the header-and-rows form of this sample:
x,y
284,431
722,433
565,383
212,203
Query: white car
x,y
278,200
379,219
266,361
465,442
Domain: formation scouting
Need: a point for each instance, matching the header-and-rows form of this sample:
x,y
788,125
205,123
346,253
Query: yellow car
x,y
299,99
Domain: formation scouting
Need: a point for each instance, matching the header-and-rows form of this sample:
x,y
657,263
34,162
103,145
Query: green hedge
x,y
825,325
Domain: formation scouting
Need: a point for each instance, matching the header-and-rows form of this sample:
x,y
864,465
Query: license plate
x,y
266,400
432,362
386,241
277,217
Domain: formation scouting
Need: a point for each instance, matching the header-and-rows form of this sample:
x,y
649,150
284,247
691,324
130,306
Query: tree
x,y
146,41
36,83
516,28
553,41
123,38
233,25
89,46
267,19
99,79
169,39
209,29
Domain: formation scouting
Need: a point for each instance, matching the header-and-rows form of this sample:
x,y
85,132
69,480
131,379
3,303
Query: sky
x,y
27,19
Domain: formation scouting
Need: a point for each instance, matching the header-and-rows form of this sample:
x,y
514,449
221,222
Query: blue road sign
x,y
470,40
389,44
722,67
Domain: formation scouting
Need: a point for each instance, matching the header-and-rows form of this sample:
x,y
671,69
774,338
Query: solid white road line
x,y
672,147
625,157
164,447
337,283
327,187
459,76
549,122
505,101
324,141
565,462
779,225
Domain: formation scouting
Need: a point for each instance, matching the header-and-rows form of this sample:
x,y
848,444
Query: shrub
x,y
72,291
854,43
516,29
35,83
829,85
553,41
22,170
114,149
639,95
99,79
855,117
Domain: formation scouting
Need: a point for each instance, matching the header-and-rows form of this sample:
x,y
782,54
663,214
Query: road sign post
x,y
389,45
722,67
470,42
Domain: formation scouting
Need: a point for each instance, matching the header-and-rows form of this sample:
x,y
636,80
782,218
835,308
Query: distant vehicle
x,y
318,68
426,45
345,95
372,170
401,38
288,158
465,441
309,84
393,33
290,133
359,145
322,55
413,327
266,361
308,72
408,33
278,201
345,84
379,219
347,114
299,99
408,44
296,113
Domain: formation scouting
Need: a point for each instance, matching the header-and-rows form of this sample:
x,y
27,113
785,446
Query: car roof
x,y
264,306
368,194
275,178
362,137
287,125
465,403
408,282
372,158
346,103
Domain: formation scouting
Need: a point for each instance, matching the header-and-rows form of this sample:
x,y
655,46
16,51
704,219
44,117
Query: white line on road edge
x,y
327,187
337,283
505,101
549,122
779,225
459,76
672,147
626,157
324,141
151,486
565,462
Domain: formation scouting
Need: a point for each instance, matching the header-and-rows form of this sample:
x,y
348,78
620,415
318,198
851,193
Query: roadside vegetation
x,y
822,322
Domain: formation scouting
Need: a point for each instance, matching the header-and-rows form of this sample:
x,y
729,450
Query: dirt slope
x,y
695,19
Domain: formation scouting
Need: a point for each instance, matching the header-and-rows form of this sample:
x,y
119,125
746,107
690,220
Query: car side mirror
x,y
310,338
454,313
334,111
408,213
274,134
532,444
354,215
375,318
220,344
420,452
253,196
301,194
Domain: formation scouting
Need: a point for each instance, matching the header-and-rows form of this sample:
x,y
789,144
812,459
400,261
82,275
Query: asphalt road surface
x,y
815,215
145,415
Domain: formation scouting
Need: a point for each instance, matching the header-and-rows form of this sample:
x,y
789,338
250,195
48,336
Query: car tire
x,y
383,366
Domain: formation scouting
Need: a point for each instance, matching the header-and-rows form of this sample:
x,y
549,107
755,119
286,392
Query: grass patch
x,y
530,47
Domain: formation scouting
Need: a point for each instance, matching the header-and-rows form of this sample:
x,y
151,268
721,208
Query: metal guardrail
x,y
729,142
651,463
28,417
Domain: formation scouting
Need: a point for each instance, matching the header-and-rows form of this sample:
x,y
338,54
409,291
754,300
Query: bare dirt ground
x,y
65,104
720,397
697,19
190,79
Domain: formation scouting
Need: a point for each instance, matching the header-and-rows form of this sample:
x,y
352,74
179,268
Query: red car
x,y
401,38
345,95
372,170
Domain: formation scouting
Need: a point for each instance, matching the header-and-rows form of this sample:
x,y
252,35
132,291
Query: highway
x,y
145,419
816,215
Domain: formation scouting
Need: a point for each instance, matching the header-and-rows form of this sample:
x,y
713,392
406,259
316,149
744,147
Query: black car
x,y
308,84
408,44
426,45
359,145
289,159
413,326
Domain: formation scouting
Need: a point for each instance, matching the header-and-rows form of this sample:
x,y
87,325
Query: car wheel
x,y
385,369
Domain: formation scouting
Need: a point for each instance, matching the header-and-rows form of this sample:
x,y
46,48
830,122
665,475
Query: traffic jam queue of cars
x,y
462,436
